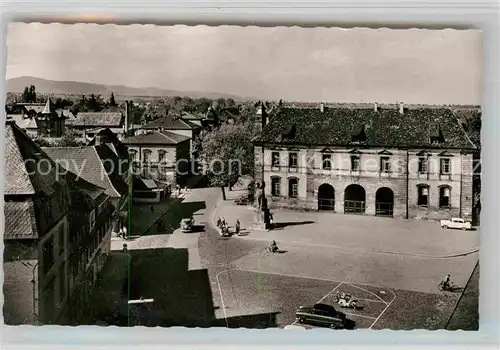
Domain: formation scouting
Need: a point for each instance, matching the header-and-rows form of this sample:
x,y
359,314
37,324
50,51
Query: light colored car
x,y
456,223
187,225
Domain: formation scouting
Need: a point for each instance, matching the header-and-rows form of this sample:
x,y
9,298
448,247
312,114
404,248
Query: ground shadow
x,y
180,297
171,220
281,225
258,321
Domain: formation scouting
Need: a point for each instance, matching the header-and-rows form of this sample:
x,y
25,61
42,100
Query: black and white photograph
x,y
242,177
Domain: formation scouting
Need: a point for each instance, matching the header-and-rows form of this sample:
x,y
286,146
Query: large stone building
x,y
400,161
57,236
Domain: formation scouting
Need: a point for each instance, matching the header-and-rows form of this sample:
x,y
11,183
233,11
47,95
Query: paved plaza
x,y
239,284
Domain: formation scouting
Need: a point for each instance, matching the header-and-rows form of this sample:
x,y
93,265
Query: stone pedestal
x,y
261,220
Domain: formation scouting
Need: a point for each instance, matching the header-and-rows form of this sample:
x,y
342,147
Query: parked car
x,y
187,225
323,315
456,223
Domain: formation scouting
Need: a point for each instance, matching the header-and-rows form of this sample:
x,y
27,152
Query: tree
x,y
112,102
26,95
32,94
69,140
227,154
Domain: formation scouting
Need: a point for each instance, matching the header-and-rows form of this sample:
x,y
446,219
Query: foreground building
x,y
397,162
57,236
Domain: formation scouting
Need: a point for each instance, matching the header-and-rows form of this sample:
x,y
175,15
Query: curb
x,y
447,256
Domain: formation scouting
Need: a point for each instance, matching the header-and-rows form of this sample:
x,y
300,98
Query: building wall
x,y
20,268
53,280
176,157
402,179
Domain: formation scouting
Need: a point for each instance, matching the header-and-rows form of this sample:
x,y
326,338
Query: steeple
x,y
48,107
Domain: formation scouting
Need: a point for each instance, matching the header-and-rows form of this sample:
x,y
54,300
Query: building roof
x,y
154,137
22,121
365,127
172,123
84,162
47,109
106,135
22,158
99,119
191,116
20,219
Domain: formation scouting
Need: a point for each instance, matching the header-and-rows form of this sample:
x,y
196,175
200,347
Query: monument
x,y
261,221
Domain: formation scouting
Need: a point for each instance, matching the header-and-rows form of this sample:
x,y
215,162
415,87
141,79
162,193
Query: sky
x,y
296,64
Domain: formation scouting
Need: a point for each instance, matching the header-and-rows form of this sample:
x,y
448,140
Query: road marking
x,y
351,314
289,275
383,311
333,290
372,300
382,300
221,298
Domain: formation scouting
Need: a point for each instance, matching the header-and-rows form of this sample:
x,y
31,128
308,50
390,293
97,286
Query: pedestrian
x,y
223,222
219,221
238,227
271,221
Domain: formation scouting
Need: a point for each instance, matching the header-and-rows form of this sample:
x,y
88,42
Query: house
x,y
192,118
160,155
401,162
87,125
40,264
48,122
176,125
98,165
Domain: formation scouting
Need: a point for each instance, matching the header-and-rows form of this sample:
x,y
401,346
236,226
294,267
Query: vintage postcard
x,y
251,177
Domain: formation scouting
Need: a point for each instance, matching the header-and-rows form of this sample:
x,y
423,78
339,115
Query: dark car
x,y
323,315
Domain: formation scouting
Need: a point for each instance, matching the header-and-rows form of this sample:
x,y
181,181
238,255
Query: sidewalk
x,y
339,231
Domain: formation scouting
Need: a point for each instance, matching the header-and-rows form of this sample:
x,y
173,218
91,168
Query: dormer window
x,y
293,160
359,137
437,138
289,132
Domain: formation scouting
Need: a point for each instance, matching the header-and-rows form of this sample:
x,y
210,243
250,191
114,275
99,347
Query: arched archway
x,y
354,199
384,202
326,197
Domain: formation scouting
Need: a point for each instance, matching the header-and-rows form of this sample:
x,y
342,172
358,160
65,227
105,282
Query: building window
x,y
423,195
146,156
327,162
276,186
293,160
275,159
92,220
444,197
355,163
293,188
161,155
61,239
48,254
445,167
423,165
62,282
132,153
385,164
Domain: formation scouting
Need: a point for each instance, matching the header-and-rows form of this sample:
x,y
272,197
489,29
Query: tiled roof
x,y
22,121
84,162
106,135
171,123
383,128
22,158
100,119
116,168
20,219
156,138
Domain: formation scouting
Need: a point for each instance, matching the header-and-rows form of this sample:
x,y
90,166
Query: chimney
x,y
127,116
375,107
401,107
321,107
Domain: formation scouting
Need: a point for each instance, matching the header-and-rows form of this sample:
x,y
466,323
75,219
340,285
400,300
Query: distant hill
x,y
45,86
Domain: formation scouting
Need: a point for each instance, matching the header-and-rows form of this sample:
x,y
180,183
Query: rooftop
x,y
172,123
366,127
99,119
154,137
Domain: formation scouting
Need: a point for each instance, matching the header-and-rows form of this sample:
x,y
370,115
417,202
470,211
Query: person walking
x,y
219,221
238,227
